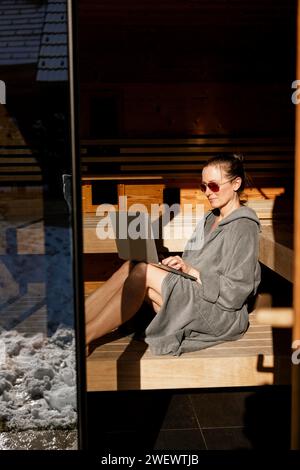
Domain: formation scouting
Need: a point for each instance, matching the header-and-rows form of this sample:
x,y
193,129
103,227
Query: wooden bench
x,y
276,238
259,358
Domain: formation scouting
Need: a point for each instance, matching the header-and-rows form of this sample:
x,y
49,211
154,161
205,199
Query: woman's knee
x,y
124,269
138,273
147,276
140,269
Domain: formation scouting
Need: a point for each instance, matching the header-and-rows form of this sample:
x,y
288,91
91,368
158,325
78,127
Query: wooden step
x,y
124,363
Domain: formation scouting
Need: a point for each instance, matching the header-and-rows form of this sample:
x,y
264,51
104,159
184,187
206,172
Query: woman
x,y
192,315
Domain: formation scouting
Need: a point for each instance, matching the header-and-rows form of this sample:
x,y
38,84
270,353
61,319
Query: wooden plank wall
x,y
176,68
269,161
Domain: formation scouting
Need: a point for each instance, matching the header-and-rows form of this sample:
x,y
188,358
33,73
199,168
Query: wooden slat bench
x,y
123,363
276,238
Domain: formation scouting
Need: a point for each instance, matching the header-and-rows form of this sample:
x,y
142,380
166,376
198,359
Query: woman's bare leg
x,y
154,299
99,298
126,301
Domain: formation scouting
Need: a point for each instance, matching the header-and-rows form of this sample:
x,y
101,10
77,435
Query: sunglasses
x,y
214,187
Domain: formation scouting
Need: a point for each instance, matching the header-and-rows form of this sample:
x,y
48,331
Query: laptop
x,y
135,241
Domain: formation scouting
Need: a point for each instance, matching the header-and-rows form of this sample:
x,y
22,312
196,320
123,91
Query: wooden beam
x,y
276,317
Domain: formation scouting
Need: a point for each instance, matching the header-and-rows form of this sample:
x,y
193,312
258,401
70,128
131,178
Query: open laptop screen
x,y
134,236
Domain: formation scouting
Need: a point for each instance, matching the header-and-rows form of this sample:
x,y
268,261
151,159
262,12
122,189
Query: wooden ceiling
x,y
208,22
141,35
189,12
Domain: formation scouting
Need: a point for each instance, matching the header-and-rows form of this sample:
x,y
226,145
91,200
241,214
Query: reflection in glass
x,y
37,345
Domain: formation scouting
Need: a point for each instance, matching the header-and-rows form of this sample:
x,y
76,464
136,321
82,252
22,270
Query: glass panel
x,y
38,391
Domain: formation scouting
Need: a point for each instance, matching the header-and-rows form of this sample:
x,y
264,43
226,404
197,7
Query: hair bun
x,y
239,157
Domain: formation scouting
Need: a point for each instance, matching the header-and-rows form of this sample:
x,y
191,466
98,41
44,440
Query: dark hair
x,y
234,167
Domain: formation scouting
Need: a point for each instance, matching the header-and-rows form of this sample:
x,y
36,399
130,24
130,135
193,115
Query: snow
x,y
38,381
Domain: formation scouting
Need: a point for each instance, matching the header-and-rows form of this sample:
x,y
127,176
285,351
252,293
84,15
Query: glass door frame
x,y
77,236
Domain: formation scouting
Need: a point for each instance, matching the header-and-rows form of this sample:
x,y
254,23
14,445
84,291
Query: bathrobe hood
x,y
242,212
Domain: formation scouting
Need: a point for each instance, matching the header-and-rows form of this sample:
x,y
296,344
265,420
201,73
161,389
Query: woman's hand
x,y
177,262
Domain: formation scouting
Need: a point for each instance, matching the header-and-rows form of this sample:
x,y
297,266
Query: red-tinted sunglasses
x,y
214,187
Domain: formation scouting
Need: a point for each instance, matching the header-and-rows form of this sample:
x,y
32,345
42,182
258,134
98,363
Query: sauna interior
x,y
163,86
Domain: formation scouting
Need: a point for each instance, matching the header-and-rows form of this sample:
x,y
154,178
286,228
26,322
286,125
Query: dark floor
x,y
233,419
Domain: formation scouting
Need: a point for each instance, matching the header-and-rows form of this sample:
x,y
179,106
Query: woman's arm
x,y
238,279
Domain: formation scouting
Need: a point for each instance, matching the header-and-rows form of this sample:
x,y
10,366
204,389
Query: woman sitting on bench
x,y
192,315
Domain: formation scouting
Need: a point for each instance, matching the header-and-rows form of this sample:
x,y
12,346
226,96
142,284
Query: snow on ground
x,y
37,381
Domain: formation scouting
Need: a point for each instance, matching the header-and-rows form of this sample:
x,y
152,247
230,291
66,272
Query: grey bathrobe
x,y
195,316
